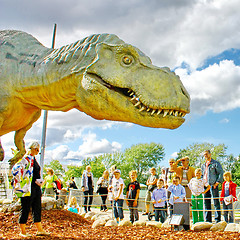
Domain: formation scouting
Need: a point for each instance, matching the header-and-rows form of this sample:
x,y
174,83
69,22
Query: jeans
x,y
228,212
133,212
197,207
87,204
160,213
207,202
118,208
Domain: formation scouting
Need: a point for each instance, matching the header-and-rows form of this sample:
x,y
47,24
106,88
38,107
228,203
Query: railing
x,y
4,170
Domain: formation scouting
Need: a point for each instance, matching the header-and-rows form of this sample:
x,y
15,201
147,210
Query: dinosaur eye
x,y
127,60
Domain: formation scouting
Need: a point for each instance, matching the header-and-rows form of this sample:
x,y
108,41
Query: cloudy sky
x,y
198,39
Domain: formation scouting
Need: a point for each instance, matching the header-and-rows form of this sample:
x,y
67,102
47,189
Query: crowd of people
x,y
179,182
174,184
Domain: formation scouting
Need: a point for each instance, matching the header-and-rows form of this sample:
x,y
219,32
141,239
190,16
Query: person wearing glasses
x,y
27,186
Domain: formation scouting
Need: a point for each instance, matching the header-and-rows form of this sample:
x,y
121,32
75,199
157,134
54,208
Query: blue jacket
x,y
215,172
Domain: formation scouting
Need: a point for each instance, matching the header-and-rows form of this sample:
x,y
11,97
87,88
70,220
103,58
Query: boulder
x,y
232,227
201,226
111,223
89,215
139,223
154,224
98,223
125,223
220,226
7,201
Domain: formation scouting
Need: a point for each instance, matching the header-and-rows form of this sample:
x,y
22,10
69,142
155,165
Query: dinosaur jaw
x,y
134,99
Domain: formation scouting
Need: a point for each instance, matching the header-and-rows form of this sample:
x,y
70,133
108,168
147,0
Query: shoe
x,y
145,213
43,234
106,210
24,235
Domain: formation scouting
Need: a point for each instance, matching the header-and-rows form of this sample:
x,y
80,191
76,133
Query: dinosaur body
x,y
100,75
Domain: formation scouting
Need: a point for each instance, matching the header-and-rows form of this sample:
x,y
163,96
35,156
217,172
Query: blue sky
x,y
199,40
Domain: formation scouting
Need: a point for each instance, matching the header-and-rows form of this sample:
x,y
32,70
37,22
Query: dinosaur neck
x,y
56,96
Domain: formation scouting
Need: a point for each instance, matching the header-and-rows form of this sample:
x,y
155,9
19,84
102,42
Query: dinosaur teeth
x,y
137,104
153,111
159,111
142,108
135,99
165,113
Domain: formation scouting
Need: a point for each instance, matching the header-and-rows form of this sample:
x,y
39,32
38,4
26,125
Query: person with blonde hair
x,y
73,205
102,185
87,188
228,196
27,186
49,181
196,185
152,184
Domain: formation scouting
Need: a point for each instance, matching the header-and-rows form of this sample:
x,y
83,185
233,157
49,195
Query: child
x,y
228,196
133,190
152,184
159,197
73,206
196,185
177,191
117,192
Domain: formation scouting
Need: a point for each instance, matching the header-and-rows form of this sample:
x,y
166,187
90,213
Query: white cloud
x,y
225,120
216,88
91,146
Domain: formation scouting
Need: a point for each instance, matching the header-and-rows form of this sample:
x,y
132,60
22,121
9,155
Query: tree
x,y
141,157
56,167
195,153
235,169
96,164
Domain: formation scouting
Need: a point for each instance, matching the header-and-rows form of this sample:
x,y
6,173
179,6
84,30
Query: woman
x,y
49,181
87,188
103,189
27,185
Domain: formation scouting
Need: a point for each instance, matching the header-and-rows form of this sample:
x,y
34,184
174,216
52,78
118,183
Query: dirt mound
x,y
67,225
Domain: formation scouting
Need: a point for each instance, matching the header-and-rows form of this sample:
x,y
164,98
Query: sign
x,y
176,219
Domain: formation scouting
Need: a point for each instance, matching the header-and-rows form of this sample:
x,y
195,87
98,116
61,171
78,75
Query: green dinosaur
x,y
100,75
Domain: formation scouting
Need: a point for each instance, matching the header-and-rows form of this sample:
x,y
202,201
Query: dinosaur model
x,y
100,75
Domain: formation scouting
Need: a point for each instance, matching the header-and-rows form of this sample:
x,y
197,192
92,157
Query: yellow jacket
x,y
179,172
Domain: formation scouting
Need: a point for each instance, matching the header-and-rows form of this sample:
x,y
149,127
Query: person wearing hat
x,y
117,192
27,186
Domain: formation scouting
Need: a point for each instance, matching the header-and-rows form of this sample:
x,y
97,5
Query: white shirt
x,y
197,186
116,188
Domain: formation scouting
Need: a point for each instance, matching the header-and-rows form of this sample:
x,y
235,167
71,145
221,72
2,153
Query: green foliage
x,y
56,166
194,152
96,164
235,169
141,157
73,171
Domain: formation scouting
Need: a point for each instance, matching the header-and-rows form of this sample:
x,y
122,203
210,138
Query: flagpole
x,y
45,115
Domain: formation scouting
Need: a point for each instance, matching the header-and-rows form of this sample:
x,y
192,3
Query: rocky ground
x,y
66,225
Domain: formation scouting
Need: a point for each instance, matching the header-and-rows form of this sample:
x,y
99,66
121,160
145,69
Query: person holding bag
x,y
27,185
102,189
49,181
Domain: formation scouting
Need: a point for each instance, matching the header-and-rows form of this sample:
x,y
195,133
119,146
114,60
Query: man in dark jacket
x,y
213,174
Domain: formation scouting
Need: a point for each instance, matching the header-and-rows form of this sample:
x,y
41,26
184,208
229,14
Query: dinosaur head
x,y
121,84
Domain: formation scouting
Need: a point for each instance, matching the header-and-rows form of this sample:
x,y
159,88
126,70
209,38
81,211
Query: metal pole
x,y
44,130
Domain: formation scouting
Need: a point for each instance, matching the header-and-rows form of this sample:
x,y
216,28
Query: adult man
x,y
213,174
185,173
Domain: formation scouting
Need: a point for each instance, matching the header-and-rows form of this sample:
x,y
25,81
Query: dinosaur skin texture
x,y
100,75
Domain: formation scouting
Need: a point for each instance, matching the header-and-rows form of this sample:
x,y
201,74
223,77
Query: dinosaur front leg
x,y
18,139
1,152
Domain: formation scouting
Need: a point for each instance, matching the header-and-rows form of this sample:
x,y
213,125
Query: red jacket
x,y
232,190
